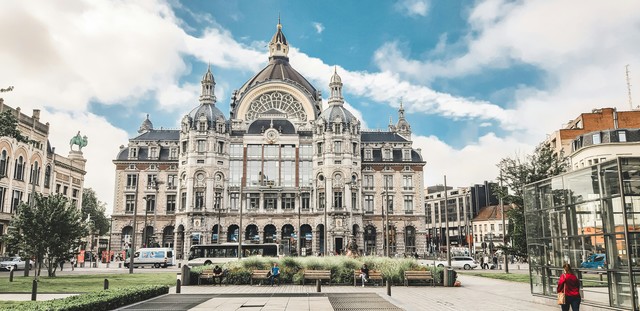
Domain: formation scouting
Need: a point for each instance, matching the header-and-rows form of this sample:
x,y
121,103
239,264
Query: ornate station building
x,y
279,169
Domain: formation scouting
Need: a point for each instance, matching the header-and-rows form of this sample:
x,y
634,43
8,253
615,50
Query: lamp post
x,y
504,230
446,221
385,224
326,194
135,225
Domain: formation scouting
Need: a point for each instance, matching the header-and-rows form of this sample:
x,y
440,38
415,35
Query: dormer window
x,y
338,128
133,152
337,146
387,154
406,155
202,126
220,127
368,154
153,152
173,153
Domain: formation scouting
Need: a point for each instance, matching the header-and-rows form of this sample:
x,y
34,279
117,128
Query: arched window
x,y
410,240
19,172
4,159
34,175
47,176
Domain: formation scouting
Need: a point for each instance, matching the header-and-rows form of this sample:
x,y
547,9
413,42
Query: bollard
x,y
107,265
11,275
34,290
186,275
318,286
178,286
119,265
518,267
388,288
106,284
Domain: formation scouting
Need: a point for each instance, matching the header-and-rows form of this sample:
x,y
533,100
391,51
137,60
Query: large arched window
x,y
34,175
370,240
232,233
47,176
19,172
410,240
269,234
4,160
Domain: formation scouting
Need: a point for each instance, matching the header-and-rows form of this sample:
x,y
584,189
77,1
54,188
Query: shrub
x,y
98,301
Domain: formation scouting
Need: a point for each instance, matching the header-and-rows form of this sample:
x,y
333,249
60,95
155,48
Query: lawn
x,y
84,283
513,277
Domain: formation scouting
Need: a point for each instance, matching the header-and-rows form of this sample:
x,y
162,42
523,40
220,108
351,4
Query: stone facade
x,y
277,169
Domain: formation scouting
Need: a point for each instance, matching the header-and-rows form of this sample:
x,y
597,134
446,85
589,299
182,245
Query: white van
x,y
155,257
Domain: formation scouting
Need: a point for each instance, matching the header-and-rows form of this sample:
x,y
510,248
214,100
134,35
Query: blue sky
x,y
480,80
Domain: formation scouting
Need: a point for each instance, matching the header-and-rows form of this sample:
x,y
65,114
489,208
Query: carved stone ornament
x,y
271,135
276,101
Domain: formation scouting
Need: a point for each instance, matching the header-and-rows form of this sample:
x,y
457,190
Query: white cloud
x,y
412,7
319,27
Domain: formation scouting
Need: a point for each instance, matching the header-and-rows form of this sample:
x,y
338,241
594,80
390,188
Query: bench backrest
x,y
372,273
418,273
317,272
207,271
260,272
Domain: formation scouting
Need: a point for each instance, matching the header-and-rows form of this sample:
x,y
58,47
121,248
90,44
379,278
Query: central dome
x,y
280,69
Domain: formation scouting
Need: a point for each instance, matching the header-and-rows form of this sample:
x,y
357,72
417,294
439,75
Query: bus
x,y
155,257
207,254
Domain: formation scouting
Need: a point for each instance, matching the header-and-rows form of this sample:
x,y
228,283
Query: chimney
x,y
36,114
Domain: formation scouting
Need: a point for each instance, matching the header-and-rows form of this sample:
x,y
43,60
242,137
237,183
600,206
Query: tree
x,y
9,127
517,172
49,231
93,208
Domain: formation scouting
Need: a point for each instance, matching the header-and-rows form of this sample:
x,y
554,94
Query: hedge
x,y
97,301
292,268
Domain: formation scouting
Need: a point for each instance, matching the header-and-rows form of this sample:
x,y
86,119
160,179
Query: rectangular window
x,y
306,152
201,145
288,202
132,181
596,138
387,154
368,154
500,227
270,201
407,182
171,203
172,181
337,200
151,203
320,150
235,150
390,204
183,200
354,201
306,201
3,192
74,193
368,181
254,151
492,227
254,201
321,200
368,204
133,152
184,146
220,147
65,190
287,152
236,172
408,204
622,136
199,203
15,201
337,146
153,152
151,180
233,201
173,153
406,155
271,152
388,182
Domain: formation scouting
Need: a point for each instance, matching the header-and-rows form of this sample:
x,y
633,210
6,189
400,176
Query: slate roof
x,y
397,157
381,137
158,135
334,111
280,69
143,154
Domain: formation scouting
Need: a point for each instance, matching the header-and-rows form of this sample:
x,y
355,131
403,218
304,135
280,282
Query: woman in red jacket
x,y
569,283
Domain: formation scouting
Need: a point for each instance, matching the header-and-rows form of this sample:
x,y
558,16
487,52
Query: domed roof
x,y
280,69
146,125
335,111
208,110
335,78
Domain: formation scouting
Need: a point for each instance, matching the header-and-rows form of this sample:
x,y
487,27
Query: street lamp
x,y
324,179
150,203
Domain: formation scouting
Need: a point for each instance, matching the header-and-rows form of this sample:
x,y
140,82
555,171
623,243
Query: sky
x,y
480,80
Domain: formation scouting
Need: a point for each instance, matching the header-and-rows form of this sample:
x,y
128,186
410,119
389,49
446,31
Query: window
x,y
407,182
184,146
151,203
3,191
306,201
34,175
19,172
4,160
493,227
368,154
368,181
406,155
622,136
220,147
65,190
217,201
368,204
270,201
132,181
388,182
199,203
15,200
201,145
202,126
408,204
288,202
387,154
306,151
171,203
337,146
254,201
500,227
183,200
133,152
47,176
321,200
153,152
354,200
354,149
337,200
596,138
129,203
172,181
233,201
173,153
74,193
319,149
390,204
151,181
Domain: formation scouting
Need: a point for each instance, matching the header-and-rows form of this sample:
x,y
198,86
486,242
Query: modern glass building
x,y
589,218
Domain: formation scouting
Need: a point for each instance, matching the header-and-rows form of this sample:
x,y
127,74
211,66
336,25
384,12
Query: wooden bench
x,y
316,275
374,275
426,276
207,274
259,275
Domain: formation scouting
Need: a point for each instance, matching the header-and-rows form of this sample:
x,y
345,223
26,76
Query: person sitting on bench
x,y
275,273
217,273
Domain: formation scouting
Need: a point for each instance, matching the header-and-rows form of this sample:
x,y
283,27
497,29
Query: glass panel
x,y
583,185
612,215
589,217
537,287
609,178
631,176
621,290
530,197
633,213
595,287
634,243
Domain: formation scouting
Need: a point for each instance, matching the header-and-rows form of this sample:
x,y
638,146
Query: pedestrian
x,y
275,274
495,262
73,263
570,286
486,261
364,274
61,264
482,262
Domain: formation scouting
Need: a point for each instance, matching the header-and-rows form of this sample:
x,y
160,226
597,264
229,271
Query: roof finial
x,y
147,116
335,68
390,120
279,25
209,66
401,103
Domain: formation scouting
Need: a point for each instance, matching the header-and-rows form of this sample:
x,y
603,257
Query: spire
x,y
401,111
335,85
403,126
146,125
207,93
278,47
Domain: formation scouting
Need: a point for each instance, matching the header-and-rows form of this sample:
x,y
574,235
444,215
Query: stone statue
x,y
80,141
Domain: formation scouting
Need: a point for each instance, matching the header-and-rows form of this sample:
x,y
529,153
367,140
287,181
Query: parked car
x,y
459,262
595,261
15,263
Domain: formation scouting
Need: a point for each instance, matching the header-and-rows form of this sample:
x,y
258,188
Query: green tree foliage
x,y
9,127
93,208
515,173
47,232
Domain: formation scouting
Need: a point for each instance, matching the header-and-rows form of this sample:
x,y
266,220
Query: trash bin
x,y
451,277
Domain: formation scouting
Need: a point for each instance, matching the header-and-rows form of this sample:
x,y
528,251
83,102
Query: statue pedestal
x,y
76,155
